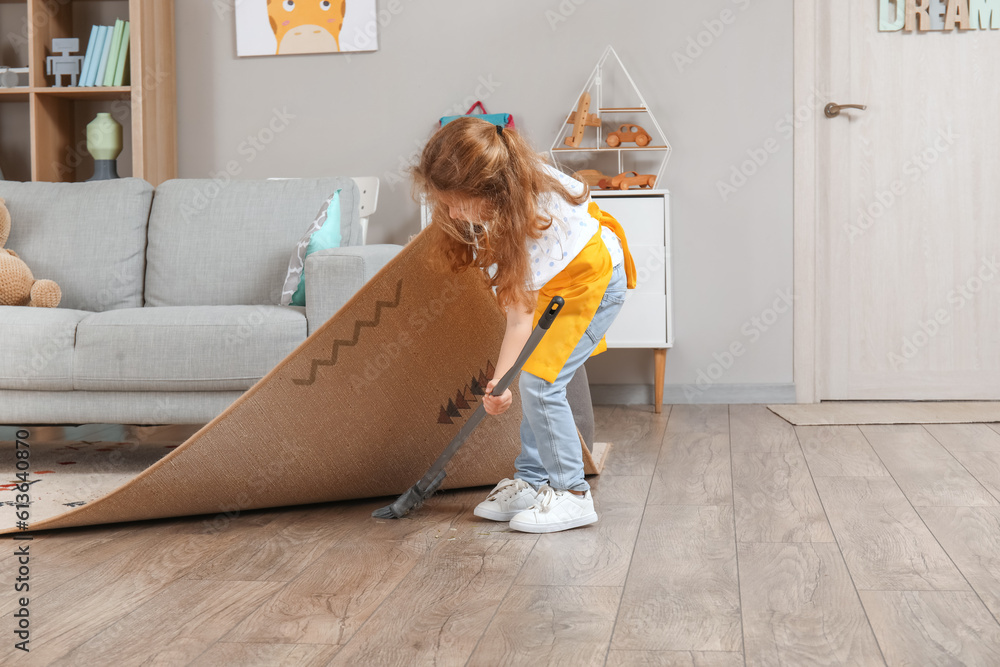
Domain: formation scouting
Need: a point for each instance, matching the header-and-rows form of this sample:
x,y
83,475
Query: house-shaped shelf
x,y
610,100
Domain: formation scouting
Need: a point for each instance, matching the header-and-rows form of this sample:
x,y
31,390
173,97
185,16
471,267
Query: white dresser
x,y
646,319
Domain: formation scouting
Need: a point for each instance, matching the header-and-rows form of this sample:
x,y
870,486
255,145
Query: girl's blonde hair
x,y
470,160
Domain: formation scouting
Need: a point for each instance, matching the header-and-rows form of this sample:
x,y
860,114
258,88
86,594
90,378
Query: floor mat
x,y
885,412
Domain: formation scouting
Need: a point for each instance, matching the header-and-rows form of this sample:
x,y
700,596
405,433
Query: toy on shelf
x,y
627,179
581,120
593,178
8,76
64,64
627,132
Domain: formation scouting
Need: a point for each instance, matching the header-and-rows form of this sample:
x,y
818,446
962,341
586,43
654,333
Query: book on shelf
x,y
123,55
102,68
88,59
116,43
99,49
94,56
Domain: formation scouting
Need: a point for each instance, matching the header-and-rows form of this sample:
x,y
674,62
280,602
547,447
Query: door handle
x,y
833,110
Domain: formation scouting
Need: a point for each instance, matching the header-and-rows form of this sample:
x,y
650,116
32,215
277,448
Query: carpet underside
x,y
360,409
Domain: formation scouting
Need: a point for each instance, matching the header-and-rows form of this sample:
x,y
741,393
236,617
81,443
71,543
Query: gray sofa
x,y
171,298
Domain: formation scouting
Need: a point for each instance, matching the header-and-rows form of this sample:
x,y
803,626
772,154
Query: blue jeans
x,y
550,446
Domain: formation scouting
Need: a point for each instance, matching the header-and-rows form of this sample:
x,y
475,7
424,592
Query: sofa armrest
x,y
334,275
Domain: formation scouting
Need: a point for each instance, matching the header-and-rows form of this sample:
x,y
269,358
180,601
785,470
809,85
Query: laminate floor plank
x,y
176,626
286,546
80,608
594,555
933,627
712,418
674,659
550,625
965,437
925,471
636,433
995,426
333,597
971,537
775,500
839,451
984,466
694,466
682,592
227,654
800,607
884,542
441,608
59,556
754,428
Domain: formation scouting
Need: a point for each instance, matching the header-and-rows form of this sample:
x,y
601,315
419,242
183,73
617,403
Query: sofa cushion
x,y
184,348
212,244
36,352
88,237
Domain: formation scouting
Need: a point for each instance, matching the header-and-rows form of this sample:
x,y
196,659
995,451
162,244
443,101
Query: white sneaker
x,y
555,511
506,499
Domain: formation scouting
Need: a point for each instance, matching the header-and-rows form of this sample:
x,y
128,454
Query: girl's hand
x,y
497,405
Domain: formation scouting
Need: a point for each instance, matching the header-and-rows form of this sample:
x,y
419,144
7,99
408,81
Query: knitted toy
x,y
17,286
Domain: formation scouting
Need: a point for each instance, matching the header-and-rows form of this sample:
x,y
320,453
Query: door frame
x,y
805,215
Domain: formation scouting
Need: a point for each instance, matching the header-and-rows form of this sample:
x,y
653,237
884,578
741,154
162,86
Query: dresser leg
x,y
660,361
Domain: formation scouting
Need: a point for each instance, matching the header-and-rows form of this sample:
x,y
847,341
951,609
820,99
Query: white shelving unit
x,y
636,113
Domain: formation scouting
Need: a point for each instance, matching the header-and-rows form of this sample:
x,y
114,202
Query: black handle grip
x,y
550,313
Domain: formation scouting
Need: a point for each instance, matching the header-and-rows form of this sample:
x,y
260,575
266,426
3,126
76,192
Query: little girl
x,y
535,233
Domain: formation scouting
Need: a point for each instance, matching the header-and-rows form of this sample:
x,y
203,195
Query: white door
x,y
908,209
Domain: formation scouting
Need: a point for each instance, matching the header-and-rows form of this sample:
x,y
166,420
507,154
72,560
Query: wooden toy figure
x,y
64,64
628,132
580,120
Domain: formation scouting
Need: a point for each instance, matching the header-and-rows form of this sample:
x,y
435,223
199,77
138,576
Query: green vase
x,y
104,142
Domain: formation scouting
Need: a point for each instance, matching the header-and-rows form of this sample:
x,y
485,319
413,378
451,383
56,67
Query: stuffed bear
x,y
17,286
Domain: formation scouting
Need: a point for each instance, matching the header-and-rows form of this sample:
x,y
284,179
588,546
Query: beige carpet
x,y
885,412
360,409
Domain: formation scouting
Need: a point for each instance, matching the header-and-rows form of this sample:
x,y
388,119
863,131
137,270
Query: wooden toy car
x,y
593,178
627,179
628,133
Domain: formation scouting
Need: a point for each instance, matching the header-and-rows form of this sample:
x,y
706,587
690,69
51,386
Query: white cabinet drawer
x,y
641,217
650,268
642,322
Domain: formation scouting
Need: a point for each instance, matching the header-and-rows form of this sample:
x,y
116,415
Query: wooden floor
x,y
726,537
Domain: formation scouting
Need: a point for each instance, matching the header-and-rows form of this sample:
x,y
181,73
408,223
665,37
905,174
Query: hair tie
x,y
499,130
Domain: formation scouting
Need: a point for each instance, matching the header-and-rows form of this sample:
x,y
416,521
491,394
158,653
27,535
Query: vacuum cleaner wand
x,y
415,496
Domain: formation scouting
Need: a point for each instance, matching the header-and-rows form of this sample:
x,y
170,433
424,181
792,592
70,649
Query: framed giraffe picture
x,y
284,27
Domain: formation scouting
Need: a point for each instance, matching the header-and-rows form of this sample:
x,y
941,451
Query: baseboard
x,y
637,394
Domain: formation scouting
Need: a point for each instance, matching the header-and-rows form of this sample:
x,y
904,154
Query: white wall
x,y
370,113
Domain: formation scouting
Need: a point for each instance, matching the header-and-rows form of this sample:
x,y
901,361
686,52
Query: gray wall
x,y
369,114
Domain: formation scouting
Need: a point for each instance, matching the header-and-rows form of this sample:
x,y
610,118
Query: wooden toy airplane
x,y
580,120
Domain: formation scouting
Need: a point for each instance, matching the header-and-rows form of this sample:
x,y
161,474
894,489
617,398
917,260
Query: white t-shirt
x,y
572,227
